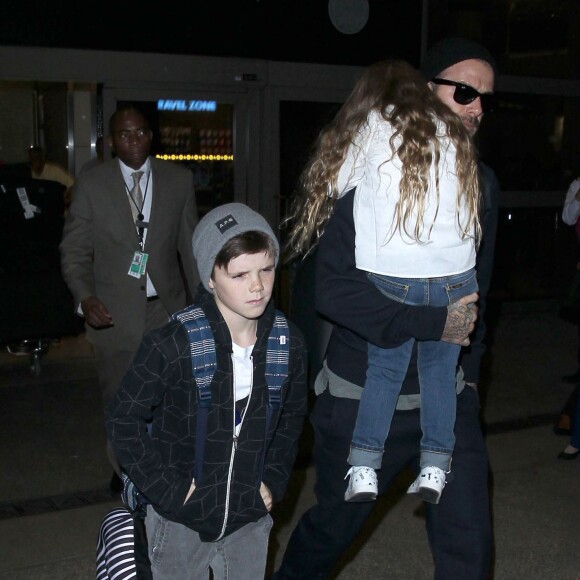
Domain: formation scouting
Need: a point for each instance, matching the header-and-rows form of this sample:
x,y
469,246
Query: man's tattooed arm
x,y
461,317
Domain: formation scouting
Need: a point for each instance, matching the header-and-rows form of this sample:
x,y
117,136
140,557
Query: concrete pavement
x,y
54,477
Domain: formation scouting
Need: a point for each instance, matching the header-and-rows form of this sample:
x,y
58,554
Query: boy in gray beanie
x,y
222,391
218,227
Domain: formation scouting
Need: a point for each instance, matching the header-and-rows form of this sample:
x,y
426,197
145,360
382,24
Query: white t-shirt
x,y
369,167
243,370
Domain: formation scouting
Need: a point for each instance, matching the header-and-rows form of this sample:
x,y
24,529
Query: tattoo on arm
x,y
460,323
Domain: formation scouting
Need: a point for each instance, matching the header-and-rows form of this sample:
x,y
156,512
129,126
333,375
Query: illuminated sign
x,y
190,157
197,106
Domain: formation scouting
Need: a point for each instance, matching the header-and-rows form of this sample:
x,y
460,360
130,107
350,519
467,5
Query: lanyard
x,y
139,223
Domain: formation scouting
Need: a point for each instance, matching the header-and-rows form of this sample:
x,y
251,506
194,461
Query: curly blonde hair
x,y
402,97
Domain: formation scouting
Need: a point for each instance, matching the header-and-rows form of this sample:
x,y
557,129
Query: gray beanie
x,y
219,226
450,51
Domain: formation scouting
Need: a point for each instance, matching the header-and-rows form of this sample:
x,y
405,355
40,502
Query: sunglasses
x,y
464,94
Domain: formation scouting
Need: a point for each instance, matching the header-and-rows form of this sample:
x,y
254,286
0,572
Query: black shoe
x,y
573,378
568,456
116,484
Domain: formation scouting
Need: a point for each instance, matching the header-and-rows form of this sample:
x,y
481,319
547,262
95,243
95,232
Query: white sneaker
x,y
362,485
429,484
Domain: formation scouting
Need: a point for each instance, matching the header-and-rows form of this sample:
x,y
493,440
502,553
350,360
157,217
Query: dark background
x,y
545,32
283,30
302,31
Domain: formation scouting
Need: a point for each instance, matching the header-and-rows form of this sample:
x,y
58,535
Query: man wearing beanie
x,y
462,74
207,420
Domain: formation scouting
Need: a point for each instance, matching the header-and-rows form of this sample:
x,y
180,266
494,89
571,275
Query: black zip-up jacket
x,y
159,389
360,313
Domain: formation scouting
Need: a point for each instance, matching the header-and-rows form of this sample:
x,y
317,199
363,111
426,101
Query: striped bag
x,y
122,547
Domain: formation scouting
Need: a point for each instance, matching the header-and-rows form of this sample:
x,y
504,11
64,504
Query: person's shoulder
x,y
104,171
488,176
486,170
375,116
377,124
171,333
58,170
90,165
55,166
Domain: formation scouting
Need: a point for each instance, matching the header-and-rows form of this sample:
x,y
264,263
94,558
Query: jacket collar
x,y
205,300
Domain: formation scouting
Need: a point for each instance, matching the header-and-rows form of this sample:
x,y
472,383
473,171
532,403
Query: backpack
x,y
122,543
203,362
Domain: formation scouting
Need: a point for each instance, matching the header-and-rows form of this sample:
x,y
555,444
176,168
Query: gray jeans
x,y
176,551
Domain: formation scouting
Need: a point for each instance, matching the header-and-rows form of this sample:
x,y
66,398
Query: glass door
x,y
202,131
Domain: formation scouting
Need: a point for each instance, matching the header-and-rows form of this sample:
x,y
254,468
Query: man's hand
x,y
461,317
96,313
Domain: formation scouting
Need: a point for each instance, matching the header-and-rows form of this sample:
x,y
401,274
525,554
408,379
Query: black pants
x,y
459,527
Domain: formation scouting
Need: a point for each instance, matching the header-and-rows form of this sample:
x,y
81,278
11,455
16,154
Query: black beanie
x,y
450,51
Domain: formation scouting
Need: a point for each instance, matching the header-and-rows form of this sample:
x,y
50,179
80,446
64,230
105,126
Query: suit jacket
x,y
100,240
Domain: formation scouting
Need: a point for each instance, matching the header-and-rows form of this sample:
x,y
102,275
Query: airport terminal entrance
x,y
205,131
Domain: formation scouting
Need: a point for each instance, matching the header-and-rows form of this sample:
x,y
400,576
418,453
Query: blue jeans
x,y
437,366
176,551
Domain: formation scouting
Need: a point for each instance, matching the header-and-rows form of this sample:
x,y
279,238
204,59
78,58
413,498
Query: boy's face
x,y
245,287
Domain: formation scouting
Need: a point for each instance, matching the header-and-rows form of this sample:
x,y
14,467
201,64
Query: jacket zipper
x,y
234,441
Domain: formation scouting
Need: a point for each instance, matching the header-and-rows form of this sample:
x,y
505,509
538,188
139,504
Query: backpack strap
x,y
277,356
202,349
203,364
203,361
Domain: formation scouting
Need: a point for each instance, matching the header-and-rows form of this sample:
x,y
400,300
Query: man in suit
x,y
126,252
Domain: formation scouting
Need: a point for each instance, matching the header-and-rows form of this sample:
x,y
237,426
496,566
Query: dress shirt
x,y
146,183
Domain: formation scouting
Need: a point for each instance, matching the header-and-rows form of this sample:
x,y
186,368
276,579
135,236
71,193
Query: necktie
x,y
136,194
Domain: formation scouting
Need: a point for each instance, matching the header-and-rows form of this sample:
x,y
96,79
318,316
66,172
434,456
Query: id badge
x,y
138,265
